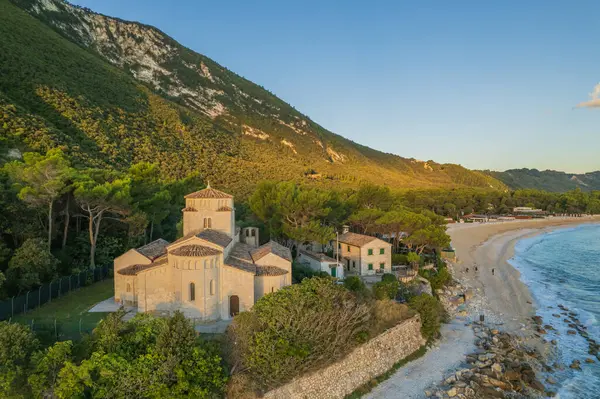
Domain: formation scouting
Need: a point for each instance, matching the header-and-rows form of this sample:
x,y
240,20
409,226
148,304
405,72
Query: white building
x,y
321,262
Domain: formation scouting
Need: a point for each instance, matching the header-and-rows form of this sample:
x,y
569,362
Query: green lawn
x,y
70,312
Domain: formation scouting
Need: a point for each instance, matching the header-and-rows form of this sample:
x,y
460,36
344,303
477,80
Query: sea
x,y
563,267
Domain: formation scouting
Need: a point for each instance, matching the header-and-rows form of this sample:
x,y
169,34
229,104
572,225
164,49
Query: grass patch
x,y
368,387
70,312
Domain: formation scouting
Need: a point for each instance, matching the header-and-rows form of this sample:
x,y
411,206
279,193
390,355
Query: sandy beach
x,y
500,296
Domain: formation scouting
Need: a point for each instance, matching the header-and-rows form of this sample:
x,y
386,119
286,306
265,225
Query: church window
x,y
205,263
192,292
207,223
128,287
272,289
212,287
212,263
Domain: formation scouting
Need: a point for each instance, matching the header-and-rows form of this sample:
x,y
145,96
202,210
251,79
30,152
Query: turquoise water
x,y
563,267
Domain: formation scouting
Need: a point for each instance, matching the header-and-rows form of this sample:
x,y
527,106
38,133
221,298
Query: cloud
x,y
594,101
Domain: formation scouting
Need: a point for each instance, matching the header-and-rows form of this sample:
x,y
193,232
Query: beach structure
x,y
364,255
213,272
320,262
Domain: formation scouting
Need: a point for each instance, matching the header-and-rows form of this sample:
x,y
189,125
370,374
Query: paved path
x,y
411,380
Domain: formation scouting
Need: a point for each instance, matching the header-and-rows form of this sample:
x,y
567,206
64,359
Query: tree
x,y
31,265
101,194
47,365
17,343
296,329
366,219
42,180
413,259
432,313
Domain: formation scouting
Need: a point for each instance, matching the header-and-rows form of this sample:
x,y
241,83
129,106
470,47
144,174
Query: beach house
x,y
364,255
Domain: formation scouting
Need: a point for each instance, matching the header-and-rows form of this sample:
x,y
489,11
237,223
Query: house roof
x,y
195,250
317,256
240,258
209,192
214,236
136,269
274,248
270,271
154,249
355,239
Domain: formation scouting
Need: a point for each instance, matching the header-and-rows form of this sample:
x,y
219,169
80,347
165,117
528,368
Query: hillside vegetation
x,y
548,180
112,93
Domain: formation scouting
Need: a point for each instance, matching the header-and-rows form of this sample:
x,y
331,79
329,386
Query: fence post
x,y
70,283
59,286
50,292
80,327
12,307
55,331
26,301
40,296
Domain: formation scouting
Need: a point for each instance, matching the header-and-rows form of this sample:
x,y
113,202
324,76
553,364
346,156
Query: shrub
x,y
301,271
438,279
31,265
405,291
387,314
386,289
354,283
297,329
399,259
388,277
432,314
17,343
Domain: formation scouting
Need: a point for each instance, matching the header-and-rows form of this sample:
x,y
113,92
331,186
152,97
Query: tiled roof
x,y
195,250
241,264
136,269
224,209
216,237
317,256
272,247
355,239
239,257
154,249
209,193
270,271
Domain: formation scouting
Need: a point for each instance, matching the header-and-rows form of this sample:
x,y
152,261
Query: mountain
x,y
548,180
113,92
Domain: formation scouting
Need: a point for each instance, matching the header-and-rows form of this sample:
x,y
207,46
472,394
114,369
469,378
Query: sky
x,y
488,85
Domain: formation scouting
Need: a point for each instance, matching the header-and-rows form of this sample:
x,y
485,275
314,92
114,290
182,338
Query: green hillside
x,y
548,180
112,93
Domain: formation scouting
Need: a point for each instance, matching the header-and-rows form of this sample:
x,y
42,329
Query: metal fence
x,y
49,291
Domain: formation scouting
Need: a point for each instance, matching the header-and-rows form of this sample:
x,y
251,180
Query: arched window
x,y
272,289
247,232
212,287
212,263
205,263
192,292
207,223
128,287
253,233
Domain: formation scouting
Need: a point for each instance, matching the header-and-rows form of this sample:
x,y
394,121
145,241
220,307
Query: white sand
x,y
501,297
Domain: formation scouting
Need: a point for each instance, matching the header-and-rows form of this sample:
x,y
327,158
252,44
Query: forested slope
x,y
113,93
548,180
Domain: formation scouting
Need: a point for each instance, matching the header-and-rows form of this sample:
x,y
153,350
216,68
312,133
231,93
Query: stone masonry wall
x,y
362,364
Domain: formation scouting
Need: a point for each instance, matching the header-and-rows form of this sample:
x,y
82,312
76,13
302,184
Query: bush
x,y
355,284
432,314
31,265
297,329
301,271
405,291
388,277
17,344
386,289
399,259
387,314
438,279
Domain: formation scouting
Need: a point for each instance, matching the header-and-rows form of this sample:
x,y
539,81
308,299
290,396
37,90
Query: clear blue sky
x,y
489,86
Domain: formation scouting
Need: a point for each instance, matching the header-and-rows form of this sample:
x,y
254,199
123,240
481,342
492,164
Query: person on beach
x,y
493,272
475,268
467,270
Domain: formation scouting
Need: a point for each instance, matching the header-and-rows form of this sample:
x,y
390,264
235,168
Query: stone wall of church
x,y
364,363
240,283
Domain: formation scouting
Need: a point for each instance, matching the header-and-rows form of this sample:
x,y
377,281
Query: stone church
x,y
213,272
